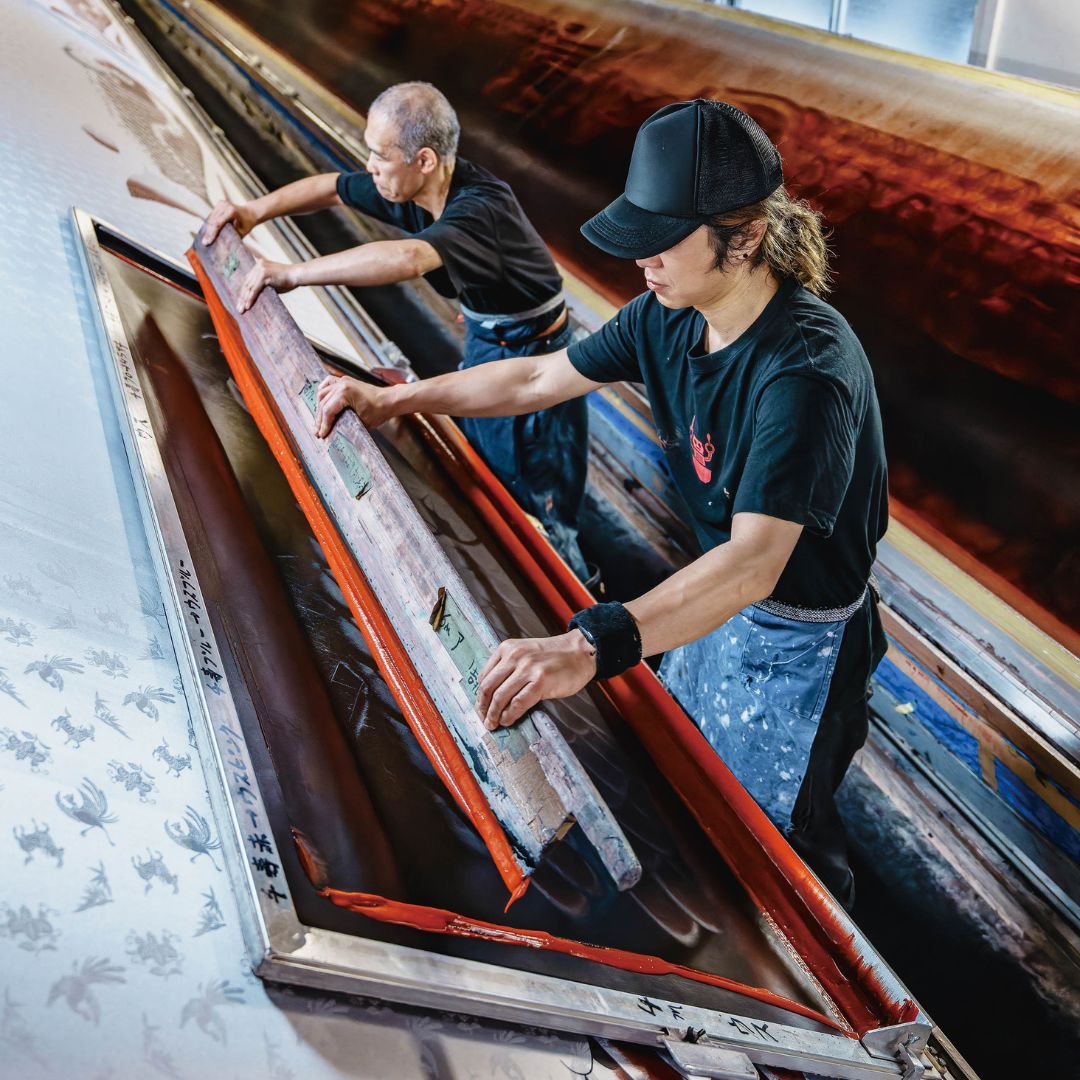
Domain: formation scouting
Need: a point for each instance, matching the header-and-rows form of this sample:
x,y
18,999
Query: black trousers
x,y
817,831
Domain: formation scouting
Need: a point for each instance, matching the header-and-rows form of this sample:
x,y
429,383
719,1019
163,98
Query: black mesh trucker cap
x,y
691,161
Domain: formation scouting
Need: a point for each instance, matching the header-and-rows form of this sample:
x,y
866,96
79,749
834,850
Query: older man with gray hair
x,y
468,235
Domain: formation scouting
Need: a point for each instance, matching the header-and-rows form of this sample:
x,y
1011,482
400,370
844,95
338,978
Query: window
x,y
1030,39
815,13
940,28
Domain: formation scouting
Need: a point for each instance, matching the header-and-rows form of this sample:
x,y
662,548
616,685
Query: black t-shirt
x,y
493,259
784,421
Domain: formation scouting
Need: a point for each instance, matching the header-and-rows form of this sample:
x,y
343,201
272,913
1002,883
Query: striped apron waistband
x,y
813,615
488,321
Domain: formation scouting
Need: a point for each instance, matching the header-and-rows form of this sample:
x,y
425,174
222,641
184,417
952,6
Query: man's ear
x,y
427,159
748,239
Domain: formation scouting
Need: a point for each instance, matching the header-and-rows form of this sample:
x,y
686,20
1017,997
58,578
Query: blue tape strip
x,y
932,716
1016,794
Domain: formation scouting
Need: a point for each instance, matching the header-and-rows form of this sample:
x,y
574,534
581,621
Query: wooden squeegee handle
x,y
393,661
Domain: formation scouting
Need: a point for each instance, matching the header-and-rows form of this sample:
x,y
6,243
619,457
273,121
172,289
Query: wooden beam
x,y
435,635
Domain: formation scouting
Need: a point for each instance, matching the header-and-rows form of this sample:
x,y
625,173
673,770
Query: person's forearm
x,y
382,262
702,596
300,197
500,388
522,384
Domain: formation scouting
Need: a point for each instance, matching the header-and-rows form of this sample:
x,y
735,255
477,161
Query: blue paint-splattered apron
x,y
756,688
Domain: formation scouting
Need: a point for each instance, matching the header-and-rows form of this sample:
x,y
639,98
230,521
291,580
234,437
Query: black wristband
x,y
611,630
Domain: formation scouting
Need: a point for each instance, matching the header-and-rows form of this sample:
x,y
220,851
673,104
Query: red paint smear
x,y
439,921
393,661
101,139
139,190
312,864
775,877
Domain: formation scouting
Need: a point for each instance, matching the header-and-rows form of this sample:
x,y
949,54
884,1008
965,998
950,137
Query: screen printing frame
x,y
281,947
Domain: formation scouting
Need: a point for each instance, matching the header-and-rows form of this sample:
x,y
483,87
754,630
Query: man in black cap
x,y
468,236
765,406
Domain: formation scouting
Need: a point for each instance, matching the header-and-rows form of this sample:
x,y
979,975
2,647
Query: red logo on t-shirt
x,y
703,453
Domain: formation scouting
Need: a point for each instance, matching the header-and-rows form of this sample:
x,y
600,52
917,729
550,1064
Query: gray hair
x,y
422,117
